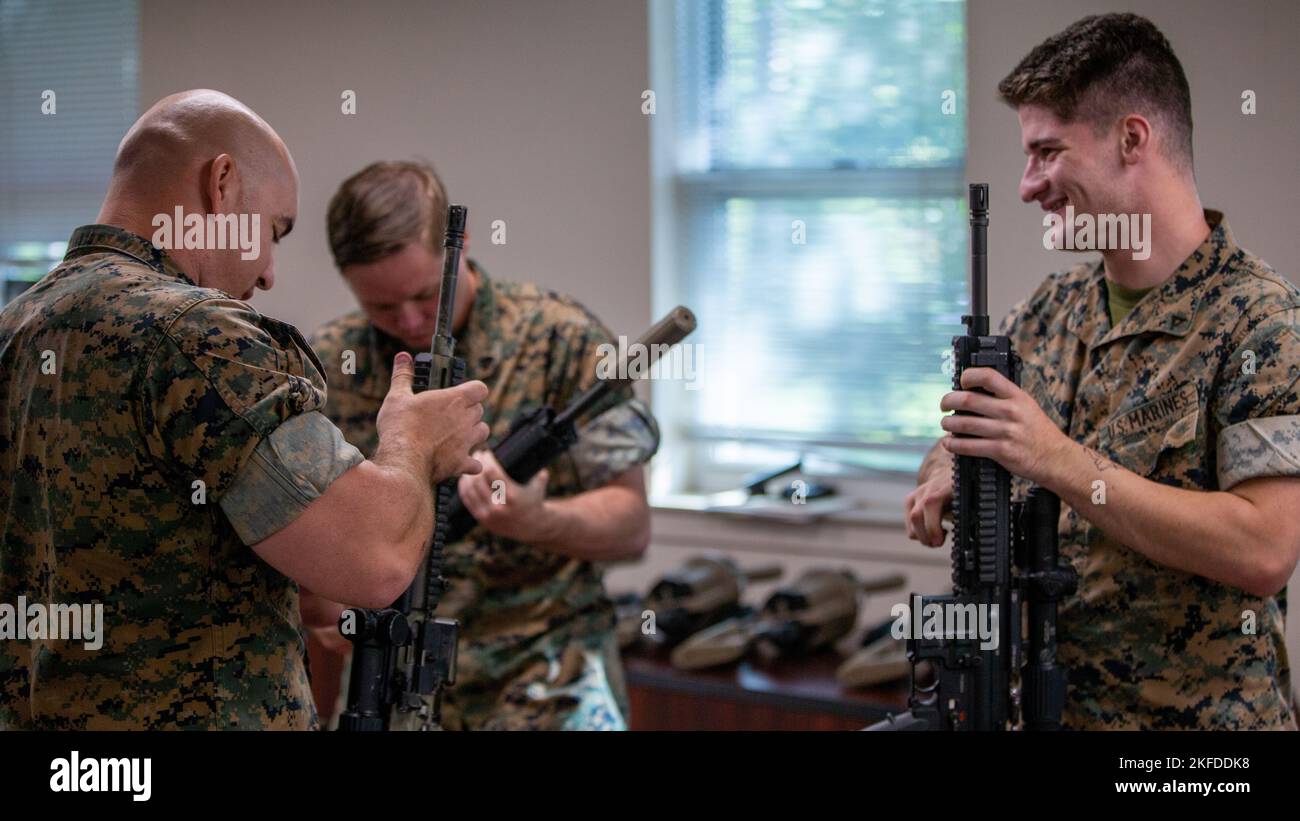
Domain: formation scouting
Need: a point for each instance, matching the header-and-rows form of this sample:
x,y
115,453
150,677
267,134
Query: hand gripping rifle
x,y
537,438
1003,555
402,653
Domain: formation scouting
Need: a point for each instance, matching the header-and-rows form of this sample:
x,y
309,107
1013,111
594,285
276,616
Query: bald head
x,y
206,153
184,131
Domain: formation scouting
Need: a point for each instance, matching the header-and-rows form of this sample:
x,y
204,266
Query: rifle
x,y
1003,554
879,658
701,593
403,652
816,610
538,437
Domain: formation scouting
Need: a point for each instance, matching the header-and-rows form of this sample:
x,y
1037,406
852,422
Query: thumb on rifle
x,y
403,374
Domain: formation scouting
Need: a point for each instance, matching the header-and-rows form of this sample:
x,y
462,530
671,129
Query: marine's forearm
x,y
936,460
605,524
400,511
349,547
1214,534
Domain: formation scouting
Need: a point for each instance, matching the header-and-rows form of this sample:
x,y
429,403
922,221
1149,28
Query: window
x,y
68,88
809,172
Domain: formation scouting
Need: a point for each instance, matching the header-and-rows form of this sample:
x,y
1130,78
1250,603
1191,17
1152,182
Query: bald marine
x,y
170,462
202,159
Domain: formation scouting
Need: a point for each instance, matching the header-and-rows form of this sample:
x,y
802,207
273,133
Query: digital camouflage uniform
x,y
1170,395
158,386
537,646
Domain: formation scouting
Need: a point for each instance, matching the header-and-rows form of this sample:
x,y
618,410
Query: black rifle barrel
x,y
453,243
979,259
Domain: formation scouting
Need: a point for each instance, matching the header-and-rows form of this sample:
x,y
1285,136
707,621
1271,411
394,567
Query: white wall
x,y
1245,165
529,110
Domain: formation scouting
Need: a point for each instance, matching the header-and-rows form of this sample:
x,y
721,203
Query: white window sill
x,y
871,529
874,502
874,512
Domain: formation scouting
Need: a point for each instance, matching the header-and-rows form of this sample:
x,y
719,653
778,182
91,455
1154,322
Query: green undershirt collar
x,y
1121,300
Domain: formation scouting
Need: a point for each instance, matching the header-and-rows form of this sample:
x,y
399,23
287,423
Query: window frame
x,y
680,202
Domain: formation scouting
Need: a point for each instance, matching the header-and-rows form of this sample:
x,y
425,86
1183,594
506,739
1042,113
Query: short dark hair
x,y
384,207
1102,68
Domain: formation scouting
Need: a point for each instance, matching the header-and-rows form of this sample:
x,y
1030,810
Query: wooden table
x,y
788,694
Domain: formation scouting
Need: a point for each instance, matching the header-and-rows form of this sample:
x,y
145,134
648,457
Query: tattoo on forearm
x,y
1099,461
936,454
925,467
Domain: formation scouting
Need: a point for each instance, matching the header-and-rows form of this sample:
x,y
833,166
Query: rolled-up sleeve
x,y
287,471
618,440
1258,404
1257,448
